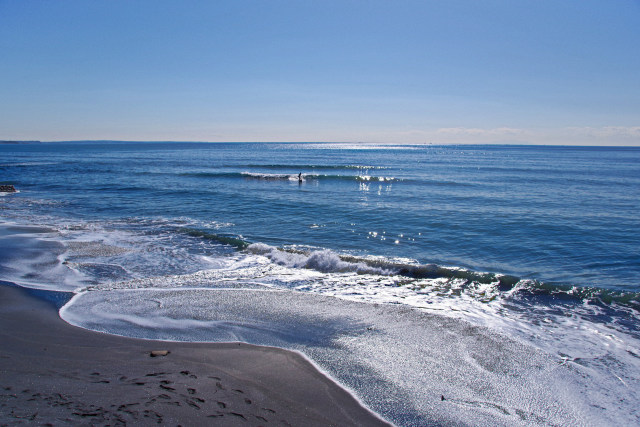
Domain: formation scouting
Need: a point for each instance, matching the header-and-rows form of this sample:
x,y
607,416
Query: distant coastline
x,y
360,143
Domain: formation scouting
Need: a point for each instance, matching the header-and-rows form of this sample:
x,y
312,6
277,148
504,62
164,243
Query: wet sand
x,y
52,373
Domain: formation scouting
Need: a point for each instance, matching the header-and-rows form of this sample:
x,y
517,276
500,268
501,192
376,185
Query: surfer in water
x,y
300,178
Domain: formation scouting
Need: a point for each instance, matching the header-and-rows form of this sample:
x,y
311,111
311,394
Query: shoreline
x,y
53,372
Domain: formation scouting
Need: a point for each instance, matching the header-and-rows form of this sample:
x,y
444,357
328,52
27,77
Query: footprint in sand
x,y
126,405
189,374
193,404
152,414
97,374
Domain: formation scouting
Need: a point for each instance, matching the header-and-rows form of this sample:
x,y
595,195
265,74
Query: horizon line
x,y
519,143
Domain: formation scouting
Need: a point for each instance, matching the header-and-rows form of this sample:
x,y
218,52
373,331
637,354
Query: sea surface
x,y
442,285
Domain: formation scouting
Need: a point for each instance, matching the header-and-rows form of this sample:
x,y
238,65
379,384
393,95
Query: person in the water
x,y
300,177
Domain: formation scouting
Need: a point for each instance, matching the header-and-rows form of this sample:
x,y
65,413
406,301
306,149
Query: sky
x,y
394,71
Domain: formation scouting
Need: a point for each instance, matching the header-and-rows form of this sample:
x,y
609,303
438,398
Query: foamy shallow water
x,y
400,361
399,344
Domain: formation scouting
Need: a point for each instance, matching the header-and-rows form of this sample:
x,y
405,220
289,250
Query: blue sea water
x,y
503,277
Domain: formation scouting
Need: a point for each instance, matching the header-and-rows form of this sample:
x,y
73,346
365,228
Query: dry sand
x,y
52,373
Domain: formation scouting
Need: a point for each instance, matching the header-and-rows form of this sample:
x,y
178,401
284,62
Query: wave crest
x,y
325,260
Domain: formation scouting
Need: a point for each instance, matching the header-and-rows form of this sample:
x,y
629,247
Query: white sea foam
x,y
272,176
34,257
401,361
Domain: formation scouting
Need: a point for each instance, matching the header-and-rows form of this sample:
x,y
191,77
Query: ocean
x,y
442,285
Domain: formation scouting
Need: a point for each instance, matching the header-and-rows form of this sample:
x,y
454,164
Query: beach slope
x,y
52,372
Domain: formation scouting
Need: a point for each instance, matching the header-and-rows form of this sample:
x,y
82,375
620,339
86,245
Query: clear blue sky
x,y
535,71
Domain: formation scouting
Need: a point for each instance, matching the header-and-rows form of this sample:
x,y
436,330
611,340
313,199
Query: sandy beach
x,y
52,373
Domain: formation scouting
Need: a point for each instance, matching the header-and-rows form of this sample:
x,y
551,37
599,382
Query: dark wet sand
x,y
52,373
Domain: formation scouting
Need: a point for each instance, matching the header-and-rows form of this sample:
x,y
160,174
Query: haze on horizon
x,y
458,71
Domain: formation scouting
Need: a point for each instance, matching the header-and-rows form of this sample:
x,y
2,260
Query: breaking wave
x,y
288,176
306,176
324,260
310,166
484,286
